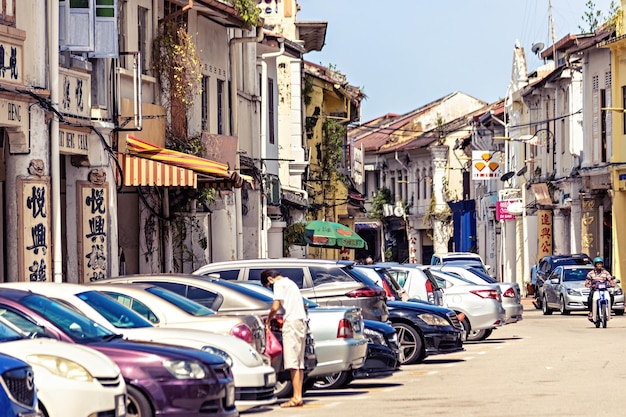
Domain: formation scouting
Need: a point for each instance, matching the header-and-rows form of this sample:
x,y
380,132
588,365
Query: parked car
x,y
480,305
511,297
546,265
228,296
381,361
425,330
160,379
565,290
254,380
328,283
18,393
418,283
64,367
381,276
464,259
165,308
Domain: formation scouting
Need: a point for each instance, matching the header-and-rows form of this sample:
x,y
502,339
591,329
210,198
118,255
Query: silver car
x,y
511,298
565,291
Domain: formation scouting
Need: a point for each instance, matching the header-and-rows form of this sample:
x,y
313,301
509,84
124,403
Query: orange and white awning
x,y
147,173
200,165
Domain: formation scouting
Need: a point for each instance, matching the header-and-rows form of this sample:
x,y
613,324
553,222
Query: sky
x,y
404,54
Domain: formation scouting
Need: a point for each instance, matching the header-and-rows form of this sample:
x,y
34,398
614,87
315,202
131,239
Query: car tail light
x,y
366,292
509,293
344,330
429,286
244,332
487,294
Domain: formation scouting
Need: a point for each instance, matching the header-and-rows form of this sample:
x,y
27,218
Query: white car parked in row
x,y
72,380
254,379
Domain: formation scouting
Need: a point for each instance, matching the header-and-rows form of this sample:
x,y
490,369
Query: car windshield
x,y
245,289
571,261
481,273
578,274
75,325
114,312
7,333
185,304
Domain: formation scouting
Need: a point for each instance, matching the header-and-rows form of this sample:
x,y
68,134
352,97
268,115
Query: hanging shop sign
x,y
34,256
75,88
485,165
544,232
11,57
73,142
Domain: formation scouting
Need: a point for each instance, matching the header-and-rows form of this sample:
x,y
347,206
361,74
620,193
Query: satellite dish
x,y
398,211
537,47
522,171
507,176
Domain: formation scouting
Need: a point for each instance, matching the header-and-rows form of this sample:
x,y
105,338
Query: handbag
x,y
273,348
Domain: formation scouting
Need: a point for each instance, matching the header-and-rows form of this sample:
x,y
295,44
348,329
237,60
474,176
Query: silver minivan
x,y
327,282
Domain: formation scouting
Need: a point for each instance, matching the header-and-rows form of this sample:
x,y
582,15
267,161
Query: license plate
x,y
33,414
270,379
120,405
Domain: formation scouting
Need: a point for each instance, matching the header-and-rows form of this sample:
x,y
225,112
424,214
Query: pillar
x,y
561,232
441,229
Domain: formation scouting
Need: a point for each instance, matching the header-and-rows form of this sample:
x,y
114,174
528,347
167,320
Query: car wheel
x,y
544,307
137,405
338,380
619,312
410,343
475,335
562,309
283,389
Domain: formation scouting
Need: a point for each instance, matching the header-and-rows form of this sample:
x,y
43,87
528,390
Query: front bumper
x,y
442,342
381,362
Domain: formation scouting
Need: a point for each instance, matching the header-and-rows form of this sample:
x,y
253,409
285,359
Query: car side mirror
x,y
554,281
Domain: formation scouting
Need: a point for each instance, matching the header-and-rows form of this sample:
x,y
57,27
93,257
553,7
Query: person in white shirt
x,y
287,294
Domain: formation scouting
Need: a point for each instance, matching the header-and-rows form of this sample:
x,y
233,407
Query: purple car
x,y
161,380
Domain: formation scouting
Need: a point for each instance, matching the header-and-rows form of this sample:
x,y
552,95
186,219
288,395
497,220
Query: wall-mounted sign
x,y
33,196
93,231
11,60
502,209
75,88
73,142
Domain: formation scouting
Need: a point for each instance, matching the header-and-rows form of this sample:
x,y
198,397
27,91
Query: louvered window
x,y
89,26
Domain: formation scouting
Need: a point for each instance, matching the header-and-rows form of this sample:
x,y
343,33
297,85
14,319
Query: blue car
x,y
18,397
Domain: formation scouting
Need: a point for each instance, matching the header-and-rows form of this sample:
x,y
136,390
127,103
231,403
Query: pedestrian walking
x,y
287,294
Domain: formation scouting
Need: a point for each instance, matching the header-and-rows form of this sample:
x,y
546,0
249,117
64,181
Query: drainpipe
x,y
234,105
263,235
55,161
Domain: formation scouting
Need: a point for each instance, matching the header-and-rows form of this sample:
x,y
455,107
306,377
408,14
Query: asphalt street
x,y
541,366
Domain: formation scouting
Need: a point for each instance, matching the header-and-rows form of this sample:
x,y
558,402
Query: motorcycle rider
x,y
596,275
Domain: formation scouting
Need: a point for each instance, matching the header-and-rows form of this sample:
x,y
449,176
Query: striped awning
x,y
147,172
200,165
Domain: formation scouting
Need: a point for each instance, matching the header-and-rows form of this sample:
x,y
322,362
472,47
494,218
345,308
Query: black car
x,y
546,265
382,360
423,328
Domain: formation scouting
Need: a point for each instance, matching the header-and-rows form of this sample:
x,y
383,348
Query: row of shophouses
x,y
160,135
107,170
541,171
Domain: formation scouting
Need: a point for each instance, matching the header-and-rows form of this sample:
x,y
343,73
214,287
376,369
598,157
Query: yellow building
x,y
330,105
617,160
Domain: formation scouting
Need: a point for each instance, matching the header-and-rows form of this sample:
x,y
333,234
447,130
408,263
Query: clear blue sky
x,y
407,53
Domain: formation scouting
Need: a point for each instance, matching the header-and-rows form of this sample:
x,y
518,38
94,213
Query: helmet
x,y
598,260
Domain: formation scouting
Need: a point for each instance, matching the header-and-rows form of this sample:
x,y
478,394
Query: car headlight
x,y
618,291
374,337
572,291
219,352
62,367
186,369
433,320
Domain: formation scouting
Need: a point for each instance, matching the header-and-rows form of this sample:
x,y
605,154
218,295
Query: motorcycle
x,y
601,307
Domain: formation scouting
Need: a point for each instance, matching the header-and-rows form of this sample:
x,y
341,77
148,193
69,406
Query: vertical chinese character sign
x,y
34,229
93,230
544,232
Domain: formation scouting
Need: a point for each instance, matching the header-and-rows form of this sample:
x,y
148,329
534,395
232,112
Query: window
x,y
220,107
142,37
205,103
321,275
7,12
294,274
89,26
270,111
229,274
139,307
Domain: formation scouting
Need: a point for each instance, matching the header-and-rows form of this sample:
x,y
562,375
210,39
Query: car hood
x,y
575,285
420,307
197,339
93,361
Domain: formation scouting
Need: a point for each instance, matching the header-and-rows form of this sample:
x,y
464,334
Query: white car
x,y
481,305
511,298
254,379
72,380
417,283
